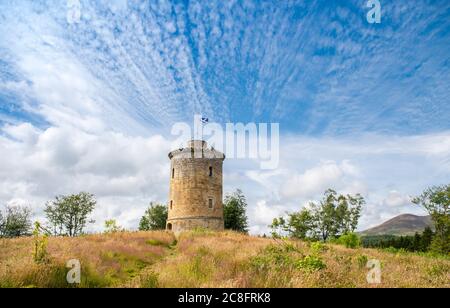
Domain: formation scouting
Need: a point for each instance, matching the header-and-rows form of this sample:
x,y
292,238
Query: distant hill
x,y
405,224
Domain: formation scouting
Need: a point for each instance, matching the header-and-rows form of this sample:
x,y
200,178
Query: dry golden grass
x,y
106,259
232,260
206,259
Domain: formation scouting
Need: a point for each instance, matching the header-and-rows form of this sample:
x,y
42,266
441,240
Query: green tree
x,y
155,218
15,221
332,217
111,226
68,215
416,242
234,212
336,214
436,201
426,239
278,226
299,225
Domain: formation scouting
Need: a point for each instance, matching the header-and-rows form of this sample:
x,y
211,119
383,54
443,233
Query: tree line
x,y
419,242
336,216
69,216
333,216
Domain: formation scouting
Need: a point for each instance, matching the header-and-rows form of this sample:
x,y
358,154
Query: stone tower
x,y
195,198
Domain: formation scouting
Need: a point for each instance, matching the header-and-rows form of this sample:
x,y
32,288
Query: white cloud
x,y
318,179
396,199
100,84
127,172
386,170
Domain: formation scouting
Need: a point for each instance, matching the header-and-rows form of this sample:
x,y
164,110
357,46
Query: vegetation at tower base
x,y
204,258
155,218
234,212
334,216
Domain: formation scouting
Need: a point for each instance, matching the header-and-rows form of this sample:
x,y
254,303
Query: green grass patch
x,y
154,242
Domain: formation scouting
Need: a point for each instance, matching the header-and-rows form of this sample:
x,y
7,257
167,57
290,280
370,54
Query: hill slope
x,y
206,259
406,224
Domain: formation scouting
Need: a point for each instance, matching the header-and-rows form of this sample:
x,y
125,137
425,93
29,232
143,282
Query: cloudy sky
x,y
88,104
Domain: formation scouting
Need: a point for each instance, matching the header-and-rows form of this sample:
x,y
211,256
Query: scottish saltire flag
x,y
205,120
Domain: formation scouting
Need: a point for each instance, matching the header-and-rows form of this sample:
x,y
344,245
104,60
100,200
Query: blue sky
x,y
367,105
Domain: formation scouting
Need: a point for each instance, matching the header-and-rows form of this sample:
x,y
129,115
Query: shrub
x,y
40,254
318,247
111,226
349,240
311,263
396,250
362,260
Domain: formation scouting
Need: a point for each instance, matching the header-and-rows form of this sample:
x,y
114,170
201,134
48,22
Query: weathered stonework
x,y
195,198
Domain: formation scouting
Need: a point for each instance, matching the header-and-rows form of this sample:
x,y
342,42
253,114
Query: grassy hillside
x,y
205,259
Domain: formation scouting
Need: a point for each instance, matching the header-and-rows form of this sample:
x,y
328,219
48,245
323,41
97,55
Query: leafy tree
x,y
416,241
111,226
15,221
155,218
278,226
426,239
436,201
234,212
298,225
332,217
336,214
68,215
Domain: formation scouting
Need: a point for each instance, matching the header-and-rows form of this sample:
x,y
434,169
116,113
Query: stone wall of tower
x,y
195,198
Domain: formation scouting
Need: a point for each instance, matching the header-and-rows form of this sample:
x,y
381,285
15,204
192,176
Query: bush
x,y
311,263
111,226
362,261
349,240
40,254
287,256
318,247
15,221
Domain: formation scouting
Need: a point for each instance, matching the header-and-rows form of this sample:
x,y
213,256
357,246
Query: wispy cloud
x,y
318,68
87,106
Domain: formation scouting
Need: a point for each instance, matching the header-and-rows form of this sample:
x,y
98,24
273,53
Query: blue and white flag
x,y
205,120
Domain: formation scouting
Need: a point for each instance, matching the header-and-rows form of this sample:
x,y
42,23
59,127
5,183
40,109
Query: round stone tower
x,y
195,198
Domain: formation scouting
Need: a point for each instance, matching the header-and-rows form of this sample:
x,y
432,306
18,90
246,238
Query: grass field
x,y
207,259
